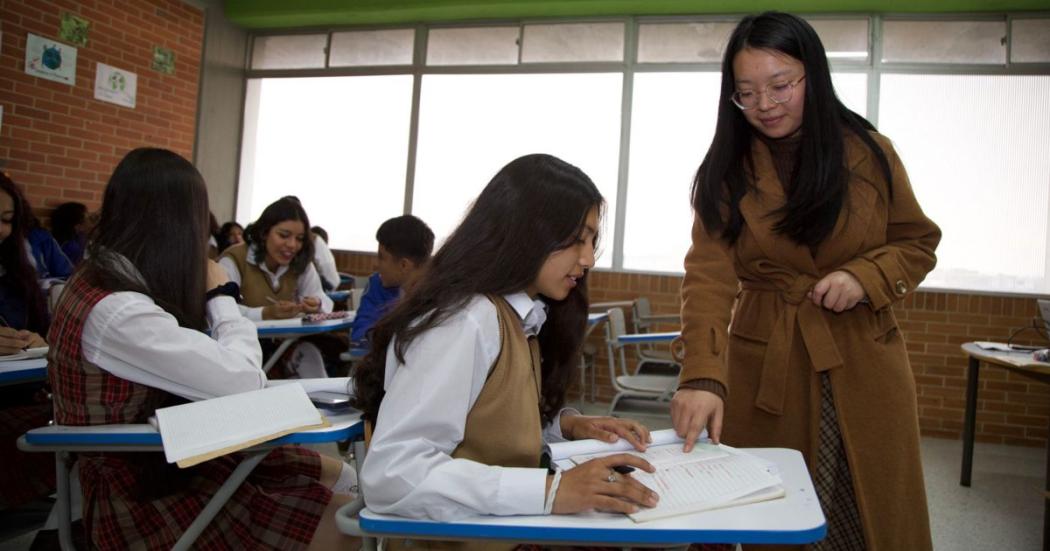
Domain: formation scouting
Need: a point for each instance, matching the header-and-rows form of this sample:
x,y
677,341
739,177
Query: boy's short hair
x,y
406,237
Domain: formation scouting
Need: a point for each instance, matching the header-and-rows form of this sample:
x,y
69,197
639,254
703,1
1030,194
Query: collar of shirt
x,y
274,277
532,312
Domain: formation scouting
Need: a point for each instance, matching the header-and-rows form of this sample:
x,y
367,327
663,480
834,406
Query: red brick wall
x,y
1011,409
60,143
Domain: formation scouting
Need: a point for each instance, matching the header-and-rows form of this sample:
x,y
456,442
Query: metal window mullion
x,y
874,68
418,60
626,101
327,49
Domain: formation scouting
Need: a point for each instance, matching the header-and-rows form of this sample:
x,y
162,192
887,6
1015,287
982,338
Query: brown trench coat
x,y
778,341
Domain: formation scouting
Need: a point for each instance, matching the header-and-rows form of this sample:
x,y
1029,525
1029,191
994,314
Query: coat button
x,y
901,287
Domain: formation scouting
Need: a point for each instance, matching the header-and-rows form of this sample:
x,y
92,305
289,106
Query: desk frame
x,y
1035,371
291,333
64,441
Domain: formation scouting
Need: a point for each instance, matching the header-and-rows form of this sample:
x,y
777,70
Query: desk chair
x,y
653,387
652,359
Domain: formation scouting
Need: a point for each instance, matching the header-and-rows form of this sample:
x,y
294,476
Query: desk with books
x,y
291,330
794,519
67,440
1017,361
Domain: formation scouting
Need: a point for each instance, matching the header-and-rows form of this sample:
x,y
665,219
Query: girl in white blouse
x,y
514,273
129,337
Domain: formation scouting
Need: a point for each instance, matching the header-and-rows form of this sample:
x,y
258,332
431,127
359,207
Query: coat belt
x,y
816,337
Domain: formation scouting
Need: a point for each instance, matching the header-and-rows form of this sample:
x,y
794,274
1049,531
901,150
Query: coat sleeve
x,y
896,268
708,291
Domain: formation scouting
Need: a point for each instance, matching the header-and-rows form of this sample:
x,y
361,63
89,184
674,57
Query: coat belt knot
x,y
816,337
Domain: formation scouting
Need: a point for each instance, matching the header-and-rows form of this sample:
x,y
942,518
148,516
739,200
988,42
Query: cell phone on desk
x,y
329,399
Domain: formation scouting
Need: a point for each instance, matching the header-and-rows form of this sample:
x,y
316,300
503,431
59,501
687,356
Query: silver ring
x,y
612,477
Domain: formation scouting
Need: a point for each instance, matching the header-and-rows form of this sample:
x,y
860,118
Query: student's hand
x,y
692,411
281,310
216,275
838,291
13,341
606,429
587,487
311,305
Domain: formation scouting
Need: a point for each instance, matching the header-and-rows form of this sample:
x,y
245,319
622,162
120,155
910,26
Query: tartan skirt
x,y
137,501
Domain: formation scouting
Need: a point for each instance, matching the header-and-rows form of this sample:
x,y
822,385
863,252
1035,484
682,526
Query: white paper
x,y
339,385
115,85
193,429
290,322
565,450
702,485
26,354
52,60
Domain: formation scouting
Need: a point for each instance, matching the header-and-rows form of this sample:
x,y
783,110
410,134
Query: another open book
x,y
712,476
196,432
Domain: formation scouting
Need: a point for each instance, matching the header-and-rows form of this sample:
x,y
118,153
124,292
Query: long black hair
x,y
19,274
817,193
534,206
64,220
155,215
223,237
283,209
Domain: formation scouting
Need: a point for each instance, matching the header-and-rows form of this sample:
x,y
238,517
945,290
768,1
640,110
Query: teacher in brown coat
x,y
806,220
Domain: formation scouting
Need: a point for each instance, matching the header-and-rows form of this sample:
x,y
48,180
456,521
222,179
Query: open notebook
x,y
198,431
711,476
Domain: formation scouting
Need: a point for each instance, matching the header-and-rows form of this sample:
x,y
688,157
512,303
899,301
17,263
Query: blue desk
x,y
66,440
13,372
638,338
338,296
294,329
794,519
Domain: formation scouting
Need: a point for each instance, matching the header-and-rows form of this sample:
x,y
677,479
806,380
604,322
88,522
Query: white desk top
x,y
794,519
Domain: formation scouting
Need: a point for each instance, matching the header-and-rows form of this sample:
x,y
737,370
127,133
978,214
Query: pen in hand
x,y
623,469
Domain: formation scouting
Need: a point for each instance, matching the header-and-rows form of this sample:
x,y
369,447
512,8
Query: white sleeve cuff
x,y
552,432
222,308
521,491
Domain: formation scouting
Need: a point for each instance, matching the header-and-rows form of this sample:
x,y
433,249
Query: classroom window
x,y
1030,41
572,42
338,143
957,42
696,42
473,46
472,125
297,51
843,39
975,147
371,48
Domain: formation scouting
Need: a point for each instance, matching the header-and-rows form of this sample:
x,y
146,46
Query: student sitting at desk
x,y
45,253
277,278
469,370
23,320
129,338
405,243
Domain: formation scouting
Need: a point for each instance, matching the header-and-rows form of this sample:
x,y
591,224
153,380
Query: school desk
x,y
594,321
793,519
1020,362
67,440
640,338
13,372
289,331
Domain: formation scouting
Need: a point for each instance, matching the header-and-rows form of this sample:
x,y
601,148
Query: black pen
x,y
623,469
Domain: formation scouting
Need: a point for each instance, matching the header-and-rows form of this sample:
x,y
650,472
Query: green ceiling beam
x,y
273,14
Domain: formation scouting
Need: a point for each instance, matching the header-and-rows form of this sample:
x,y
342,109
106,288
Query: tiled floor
x,y
1002,510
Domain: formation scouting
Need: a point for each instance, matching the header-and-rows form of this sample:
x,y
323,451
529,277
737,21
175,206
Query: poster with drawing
x,y
115,85
52,60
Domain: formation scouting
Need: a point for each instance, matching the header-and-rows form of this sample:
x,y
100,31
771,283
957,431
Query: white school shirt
x,y
409,470
324,261
307,285
129,336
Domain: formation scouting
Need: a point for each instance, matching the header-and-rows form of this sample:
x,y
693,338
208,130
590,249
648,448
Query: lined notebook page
x,y
701,485
666,455
198,431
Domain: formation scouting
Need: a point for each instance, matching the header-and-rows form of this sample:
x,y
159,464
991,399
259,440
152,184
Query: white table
x,y
289,331
794,519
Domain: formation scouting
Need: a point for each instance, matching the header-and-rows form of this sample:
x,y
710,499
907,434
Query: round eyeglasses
x,y
777,93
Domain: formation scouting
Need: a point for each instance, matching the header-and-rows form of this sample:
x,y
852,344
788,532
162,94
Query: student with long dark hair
x,y
469,370
69,226
274,266
805,217
230,233
23,324
129,338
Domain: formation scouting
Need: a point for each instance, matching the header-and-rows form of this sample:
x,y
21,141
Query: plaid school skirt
x,y
278,506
